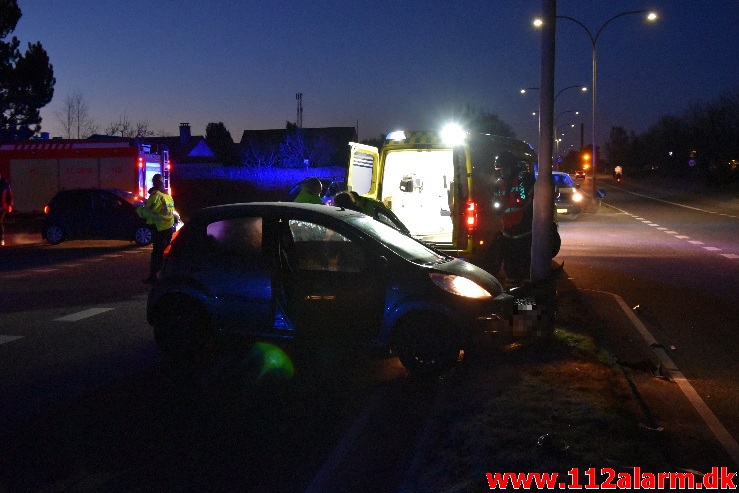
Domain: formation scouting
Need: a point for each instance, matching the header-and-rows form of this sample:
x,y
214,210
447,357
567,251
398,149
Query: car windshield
x,y
404,245
562,180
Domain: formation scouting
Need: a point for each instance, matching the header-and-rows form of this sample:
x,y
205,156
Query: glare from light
x,y
460,286
584,89
396,135
538,22
576,197
523,91
453,135
652,16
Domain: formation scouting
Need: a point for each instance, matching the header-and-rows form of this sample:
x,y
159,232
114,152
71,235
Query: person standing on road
x,y
311,192
6,205
159,212
515,196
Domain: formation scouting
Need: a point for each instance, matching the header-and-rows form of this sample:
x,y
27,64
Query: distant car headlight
x,y
461,286
576,197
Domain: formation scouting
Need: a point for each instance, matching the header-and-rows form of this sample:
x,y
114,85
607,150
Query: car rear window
x,y
241,236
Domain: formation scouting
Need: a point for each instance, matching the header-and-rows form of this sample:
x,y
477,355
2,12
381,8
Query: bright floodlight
x,y
453,134
652,16
538,22
584,89
396,135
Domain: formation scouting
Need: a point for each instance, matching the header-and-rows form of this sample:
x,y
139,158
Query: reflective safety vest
x,y
159,210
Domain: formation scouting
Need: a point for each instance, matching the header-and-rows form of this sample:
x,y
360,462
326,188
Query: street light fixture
x,y
651,16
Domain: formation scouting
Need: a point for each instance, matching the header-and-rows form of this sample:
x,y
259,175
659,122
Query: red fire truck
x,y
38,169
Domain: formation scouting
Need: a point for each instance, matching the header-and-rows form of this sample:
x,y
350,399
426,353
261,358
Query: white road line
x,y
719,431
683,237
4,339
74,317
712,249
681,205
672,233
113,255
652,224
639,218
696,242
321,479
646,221
43,271
68,265
662,228
97,259
729,255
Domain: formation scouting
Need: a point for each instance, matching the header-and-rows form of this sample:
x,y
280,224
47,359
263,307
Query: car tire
x,y
180,327
426,345
54,234
143,236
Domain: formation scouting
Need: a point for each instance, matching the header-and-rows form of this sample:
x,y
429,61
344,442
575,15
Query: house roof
x,y
186,150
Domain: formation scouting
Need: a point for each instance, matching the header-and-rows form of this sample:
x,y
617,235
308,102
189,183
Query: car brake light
x,y
46,209
470,217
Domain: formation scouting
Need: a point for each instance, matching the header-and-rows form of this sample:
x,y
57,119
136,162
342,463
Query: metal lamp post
x,y
594,40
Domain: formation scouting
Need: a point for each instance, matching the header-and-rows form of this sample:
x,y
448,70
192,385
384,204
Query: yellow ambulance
x,y
440,184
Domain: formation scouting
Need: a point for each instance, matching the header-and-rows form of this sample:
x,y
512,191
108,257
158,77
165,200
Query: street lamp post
x,y
594,40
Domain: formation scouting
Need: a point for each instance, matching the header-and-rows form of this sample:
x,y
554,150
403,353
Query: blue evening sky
x,y
381,65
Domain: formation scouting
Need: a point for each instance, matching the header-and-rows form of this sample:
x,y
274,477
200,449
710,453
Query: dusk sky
x,y
381,65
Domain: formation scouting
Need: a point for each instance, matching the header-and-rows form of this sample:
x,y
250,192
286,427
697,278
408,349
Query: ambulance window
x,y
362,163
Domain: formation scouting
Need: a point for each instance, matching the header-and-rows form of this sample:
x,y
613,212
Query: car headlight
x,y
576,197
459,285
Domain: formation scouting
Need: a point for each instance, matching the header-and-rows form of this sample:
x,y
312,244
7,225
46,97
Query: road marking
x,y
639,218
683,237
113,255
719,431
16,276
652,224
662,228
729,255
696,242
96,259
672,233
646,221
680,205
4,339
712,249
74,317
44,271
321,479
68,265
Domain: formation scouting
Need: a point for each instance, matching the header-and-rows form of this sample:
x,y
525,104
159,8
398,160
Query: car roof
x,y
217,212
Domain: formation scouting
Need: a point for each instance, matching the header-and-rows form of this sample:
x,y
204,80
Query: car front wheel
x,y
54,234
426,345
142,236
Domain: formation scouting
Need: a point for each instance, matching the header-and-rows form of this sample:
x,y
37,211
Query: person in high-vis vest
x,y
159,212
310,192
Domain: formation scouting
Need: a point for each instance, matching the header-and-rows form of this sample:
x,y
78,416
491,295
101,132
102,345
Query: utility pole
x,y
541,241
299,120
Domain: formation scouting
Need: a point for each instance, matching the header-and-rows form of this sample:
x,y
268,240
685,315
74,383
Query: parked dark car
x,y
93,213
313,274
330,188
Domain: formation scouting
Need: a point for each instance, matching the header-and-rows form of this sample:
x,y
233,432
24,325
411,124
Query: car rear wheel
x,y
54,234
180,327
143,236
426,345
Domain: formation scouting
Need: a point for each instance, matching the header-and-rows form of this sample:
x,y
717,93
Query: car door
x,y
234,267
113,216
334,292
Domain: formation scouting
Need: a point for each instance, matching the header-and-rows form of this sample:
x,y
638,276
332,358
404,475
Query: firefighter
x,y
515,198
159,212
6,205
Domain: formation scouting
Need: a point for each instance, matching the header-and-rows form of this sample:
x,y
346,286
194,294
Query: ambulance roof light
x,y
453,134
396,135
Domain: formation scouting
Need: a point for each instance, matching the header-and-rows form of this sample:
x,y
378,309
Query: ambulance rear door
x,y
363,170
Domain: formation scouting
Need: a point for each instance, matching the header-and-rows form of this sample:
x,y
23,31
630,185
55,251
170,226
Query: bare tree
x,y
124,128
75,119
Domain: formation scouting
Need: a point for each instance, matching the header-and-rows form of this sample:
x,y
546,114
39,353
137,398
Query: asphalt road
x,y
673,258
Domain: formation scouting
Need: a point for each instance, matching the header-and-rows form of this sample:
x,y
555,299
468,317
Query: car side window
x,y
319,248
239,237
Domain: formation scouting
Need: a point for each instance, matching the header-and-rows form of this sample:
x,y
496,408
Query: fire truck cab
x,y
440,184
